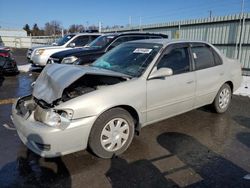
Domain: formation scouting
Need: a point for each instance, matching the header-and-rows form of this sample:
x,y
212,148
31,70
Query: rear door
x,y
209,73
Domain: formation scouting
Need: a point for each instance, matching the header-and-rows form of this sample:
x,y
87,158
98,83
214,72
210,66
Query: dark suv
x,y
98,47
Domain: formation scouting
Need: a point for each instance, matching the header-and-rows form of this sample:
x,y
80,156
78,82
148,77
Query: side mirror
x,y
161,73
72,44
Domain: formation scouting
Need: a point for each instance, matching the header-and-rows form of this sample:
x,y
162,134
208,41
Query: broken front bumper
x,y
51,142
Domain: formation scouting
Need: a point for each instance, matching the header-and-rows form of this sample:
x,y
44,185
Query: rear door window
x,y
81,40
93,37
203,57
125,39
217,58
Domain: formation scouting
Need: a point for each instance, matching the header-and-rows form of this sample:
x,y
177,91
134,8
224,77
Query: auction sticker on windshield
x,y
142,50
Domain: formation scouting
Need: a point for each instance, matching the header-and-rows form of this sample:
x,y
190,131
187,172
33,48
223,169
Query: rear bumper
x,y
9,70
52,142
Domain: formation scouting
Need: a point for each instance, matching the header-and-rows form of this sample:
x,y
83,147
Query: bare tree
x,y
52,28
75,28
93,27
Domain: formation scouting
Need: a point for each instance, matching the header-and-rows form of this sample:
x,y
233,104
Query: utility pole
x,y
54,28
242,7
210,14
129,21
179,28
241,25
100,27
87,23
140,28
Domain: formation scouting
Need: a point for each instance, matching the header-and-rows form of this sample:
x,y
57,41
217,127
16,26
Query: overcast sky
x,y
16,13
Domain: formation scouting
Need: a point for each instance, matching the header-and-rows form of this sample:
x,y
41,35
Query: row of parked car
x,y
69,49
131,83
7,62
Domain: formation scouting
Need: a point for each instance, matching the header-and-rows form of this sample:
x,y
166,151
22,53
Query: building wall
x,y
222,31
15,42
27,42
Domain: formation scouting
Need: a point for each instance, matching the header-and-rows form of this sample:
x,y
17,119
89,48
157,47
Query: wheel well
x,y
135,116
231,85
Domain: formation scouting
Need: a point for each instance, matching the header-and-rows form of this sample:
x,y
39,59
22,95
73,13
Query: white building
x,y
16,38
12,32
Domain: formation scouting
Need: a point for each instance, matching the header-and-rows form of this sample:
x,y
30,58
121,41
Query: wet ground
x,y
195,149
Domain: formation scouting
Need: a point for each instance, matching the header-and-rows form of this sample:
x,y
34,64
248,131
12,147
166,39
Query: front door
x,y
174,94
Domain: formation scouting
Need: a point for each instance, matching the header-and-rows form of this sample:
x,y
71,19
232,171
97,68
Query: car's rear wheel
x,y
112,133
223,99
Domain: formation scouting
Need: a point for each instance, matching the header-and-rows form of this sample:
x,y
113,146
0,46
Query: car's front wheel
x,y
223,99
112,133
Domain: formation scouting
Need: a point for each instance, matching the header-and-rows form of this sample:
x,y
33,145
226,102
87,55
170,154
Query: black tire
x,y
216,104
96,132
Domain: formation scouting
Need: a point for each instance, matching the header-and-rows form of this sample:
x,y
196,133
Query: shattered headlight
x,y
58,118
69,60
39,52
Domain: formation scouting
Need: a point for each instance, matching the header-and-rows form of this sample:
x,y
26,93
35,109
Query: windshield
x,y
129,58
101,41
64,39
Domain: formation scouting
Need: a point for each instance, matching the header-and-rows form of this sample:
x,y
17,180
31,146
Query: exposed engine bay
x,y
89,83
85,84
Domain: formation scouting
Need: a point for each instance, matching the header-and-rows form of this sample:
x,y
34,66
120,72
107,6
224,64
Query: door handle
x,y
190,82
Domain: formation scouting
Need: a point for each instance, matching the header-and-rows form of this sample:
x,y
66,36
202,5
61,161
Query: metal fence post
x,y
241,38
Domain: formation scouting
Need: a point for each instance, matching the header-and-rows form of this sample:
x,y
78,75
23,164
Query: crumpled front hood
x,y
55,78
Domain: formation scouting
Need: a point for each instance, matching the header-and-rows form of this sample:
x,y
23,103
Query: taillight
x,y
3,54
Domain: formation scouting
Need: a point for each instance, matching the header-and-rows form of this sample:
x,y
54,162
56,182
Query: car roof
x,y
4,50
135,33
166,42
79,34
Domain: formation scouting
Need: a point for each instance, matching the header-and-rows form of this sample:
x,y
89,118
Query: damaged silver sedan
x,y
102,105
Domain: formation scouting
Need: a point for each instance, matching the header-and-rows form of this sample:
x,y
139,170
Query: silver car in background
x,y
39,55
138,83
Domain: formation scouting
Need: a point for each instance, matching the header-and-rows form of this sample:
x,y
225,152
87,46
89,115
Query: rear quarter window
x,y
217,58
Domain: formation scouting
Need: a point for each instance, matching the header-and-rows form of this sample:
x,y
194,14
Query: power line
x,y
180,13
192,10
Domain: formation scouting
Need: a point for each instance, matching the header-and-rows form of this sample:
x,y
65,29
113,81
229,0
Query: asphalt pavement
x,y
195,149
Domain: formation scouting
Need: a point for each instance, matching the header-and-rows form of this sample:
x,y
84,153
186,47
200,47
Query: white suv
x,y
39,55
